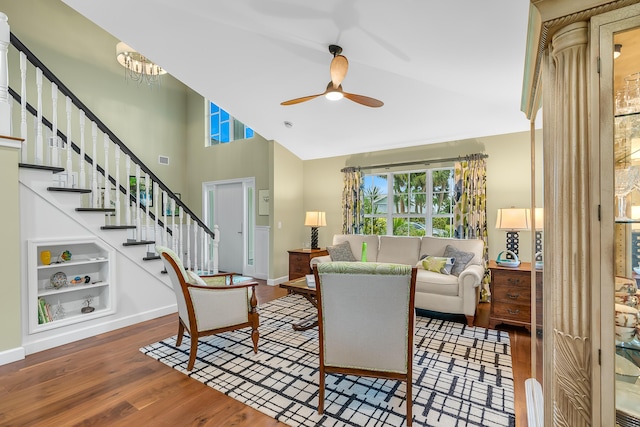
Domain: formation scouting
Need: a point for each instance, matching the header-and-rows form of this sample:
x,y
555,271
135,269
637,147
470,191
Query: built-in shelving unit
x,y
89,273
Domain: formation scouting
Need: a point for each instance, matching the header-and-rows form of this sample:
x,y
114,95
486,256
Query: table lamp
x,y
512,220
539,222
315,220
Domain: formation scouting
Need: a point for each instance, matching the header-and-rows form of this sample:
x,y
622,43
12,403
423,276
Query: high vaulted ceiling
x,y
445,70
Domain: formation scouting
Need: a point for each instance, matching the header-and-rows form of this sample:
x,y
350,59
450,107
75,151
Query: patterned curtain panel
x,y
352,207
470,210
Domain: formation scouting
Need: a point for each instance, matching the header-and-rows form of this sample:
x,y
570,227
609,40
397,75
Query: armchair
x,y
208,310
366,317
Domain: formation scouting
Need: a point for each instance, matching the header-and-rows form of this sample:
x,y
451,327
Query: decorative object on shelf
x,y
88,299
626,180
314,220
79,280
64,256
58,280
58,312
45,257
138,67
507,259
539,260
512,220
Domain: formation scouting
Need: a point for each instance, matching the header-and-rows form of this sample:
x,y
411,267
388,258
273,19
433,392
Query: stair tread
x,y
135,242
69,190
54,169
106,210
117,227
150,258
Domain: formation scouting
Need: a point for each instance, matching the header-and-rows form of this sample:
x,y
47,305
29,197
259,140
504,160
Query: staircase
x,y
84,181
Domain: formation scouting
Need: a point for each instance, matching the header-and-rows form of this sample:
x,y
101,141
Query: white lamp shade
x,y
515,219
539,219
315,219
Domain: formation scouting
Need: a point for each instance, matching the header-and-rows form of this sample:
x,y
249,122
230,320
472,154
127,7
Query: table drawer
x,y
512,279
512,294
503,310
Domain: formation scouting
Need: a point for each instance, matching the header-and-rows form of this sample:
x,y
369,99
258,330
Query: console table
x,y
511,295
299,260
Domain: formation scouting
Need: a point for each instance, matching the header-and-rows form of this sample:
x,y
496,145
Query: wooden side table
x,y
511,295
299,260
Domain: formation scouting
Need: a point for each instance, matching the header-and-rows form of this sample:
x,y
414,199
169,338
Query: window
x,y
222,127
396,203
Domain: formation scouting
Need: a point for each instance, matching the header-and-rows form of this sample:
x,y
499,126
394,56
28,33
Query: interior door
x,y
229,214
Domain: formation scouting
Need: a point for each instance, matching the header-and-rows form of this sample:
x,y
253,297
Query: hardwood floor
x,y
105,380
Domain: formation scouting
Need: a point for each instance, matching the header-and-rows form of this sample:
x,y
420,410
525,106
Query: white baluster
x,y
107,181
216,243
148,199
127,163
188,241
23,105
39,155
116,155
137,206
69,167
165,229
55,156
156,225
94,166
83,178
181,236
195,248
174,233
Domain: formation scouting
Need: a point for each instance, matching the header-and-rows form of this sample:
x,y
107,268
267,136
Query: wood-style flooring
x,y
106,381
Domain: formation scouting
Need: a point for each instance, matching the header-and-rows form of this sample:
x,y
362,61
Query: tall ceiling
x,y
446,70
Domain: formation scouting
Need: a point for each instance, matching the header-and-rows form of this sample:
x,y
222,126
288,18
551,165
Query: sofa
x,y
454,292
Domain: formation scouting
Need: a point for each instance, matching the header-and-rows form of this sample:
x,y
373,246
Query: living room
x,y
320,187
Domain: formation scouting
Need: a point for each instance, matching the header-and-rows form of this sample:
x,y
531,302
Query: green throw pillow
x,y
341,252
438,264
462,259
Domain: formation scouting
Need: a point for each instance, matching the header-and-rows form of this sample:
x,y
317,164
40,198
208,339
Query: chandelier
x,y
138,67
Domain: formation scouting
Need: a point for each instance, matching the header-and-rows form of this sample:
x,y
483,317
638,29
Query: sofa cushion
x,y
356,241
341,252
462,259
435,246
437,264
399,249
436,283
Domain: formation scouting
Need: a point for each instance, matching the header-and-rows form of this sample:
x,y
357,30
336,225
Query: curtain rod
x,y
417,162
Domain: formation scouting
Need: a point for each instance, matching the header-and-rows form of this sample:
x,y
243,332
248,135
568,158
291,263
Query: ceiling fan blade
x,y
299,100
338,69
364,100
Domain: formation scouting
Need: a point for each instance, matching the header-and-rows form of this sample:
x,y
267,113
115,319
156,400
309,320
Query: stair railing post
x,y
39,142
181,236
107,184
165,229
69,168
174,234
216,243
23,106
195,248
94,166
116,155
148,198
55,157
127,163
83,177
188,226
137,206
156,225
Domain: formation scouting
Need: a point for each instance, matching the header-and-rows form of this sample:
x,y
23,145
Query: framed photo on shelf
x,y
168,208
142,188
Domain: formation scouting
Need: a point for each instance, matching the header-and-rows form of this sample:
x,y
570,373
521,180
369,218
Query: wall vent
x,y
163,160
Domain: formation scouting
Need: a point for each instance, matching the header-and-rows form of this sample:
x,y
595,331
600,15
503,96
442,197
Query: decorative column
x,y
568,387
5,112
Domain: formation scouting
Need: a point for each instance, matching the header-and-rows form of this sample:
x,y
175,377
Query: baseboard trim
x,y
12,355
96,329
277,280
535,403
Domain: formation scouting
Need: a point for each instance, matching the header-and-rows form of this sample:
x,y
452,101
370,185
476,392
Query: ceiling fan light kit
x,y
338,70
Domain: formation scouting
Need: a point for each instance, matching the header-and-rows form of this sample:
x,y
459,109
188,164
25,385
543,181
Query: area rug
x,y
461,375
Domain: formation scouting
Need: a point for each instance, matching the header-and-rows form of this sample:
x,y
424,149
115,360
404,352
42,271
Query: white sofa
x,y
434,291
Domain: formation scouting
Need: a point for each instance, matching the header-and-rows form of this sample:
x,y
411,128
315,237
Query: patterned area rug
x,y
461,376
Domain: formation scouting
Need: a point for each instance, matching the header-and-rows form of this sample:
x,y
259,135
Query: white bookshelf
x,y
90,258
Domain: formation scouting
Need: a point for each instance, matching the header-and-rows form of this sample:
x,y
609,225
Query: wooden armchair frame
x,y
195,333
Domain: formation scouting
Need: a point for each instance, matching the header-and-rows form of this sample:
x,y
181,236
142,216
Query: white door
x,y
228,211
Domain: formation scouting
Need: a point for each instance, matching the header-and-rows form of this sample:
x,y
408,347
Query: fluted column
x,y
5,112
567,272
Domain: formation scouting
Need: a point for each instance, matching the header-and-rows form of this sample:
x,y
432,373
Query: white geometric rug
x,y
461,375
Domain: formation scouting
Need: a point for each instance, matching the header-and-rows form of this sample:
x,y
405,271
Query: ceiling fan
x,y
338,71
